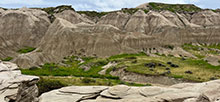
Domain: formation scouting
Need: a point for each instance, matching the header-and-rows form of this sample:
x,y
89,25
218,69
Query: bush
x,y
33,68
169,46
26,49
45,85
93,13
174,7
88,80
132,57
7,59
102,62
58,9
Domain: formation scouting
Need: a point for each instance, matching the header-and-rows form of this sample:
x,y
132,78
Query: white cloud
x,y
27,2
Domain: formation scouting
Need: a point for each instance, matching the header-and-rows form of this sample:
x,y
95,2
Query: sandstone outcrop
x,y
73,33
20,28
184,92
14,86
206,18
64,38
73,17
117,19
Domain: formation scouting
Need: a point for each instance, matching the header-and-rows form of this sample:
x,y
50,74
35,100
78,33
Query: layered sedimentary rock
x,y
64,38
184,92
206,18
73,17
116,32
22,27
117,19
15,87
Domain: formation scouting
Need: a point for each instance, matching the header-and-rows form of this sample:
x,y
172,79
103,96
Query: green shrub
x,y
33,68
93,13
132,57
58,9
177,76
45,85
102,62
88,80
7,59
26,49
129,10
174,7
169,46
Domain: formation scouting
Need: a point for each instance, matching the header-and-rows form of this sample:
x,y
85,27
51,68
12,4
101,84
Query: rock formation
x,y
184,92
14,86
124,31
73,17
20,28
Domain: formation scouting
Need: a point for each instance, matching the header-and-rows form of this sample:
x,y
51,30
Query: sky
x,y
102,5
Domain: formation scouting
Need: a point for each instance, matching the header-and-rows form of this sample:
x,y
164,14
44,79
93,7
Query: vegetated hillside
x,y
171,7
55,32
133,68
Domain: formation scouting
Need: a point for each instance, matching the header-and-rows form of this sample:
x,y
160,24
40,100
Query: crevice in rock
x,y
181,20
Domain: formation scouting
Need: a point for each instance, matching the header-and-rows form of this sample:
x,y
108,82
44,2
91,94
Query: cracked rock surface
x,y
184,92
16,87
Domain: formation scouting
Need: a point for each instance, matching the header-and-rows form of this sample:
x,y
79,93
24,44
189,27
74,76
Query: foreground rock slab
x,y
15,87
184,92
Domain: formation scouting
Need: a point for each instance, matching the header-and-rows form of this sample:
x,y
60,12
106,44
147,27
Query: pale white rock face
x,y
83,90
206,18
213,59
179,20
147,23
184,92
73,17
121,32
11,84
31,23
20,28
117,19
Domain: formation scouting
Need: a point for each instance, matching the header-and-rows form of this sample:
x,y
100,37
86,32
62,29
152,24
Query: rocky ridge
x,y
184,92
124,31
14,86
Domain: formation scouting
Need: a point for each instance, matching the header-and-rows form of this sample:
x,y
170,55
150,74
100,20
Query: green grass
x,y
7,59
126,56
202,71
129,10
174,7
73,69
58,9
215,46
85,81
202,50
26,49
93,13
47,84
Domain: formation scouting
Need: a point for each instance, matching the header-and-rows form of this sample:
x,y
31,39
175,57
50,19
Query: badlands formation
x,y
61,31
51,34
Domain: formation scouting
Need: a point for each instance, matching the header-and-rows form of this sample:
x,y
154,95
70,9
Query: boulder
x,y
213,59
16,87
